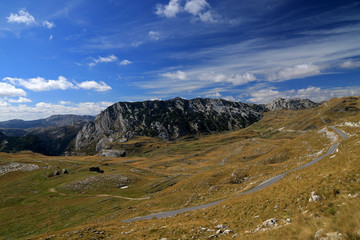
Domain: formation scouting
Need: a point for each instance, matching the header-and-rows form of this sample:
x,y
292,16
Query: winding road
x,y
262,185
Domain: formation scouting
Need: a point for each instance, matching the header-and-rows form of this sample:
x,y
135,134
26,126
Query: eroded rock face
x,y
167,120
290,104
174,118
112,153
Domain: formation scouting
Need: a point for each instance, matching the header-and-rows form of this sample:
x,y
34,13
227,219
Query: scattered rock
x,y
221,226
314,197
20,167
227,231
96,169
112,153
353,195
321,235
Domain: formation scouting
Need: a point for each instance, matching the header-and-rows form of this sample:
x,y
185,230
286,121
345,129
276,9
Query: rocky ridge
x,y
174,118
290,104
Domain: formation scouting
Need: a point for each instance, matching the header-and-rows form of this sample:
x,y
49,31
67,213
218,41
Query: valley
x,y
305,153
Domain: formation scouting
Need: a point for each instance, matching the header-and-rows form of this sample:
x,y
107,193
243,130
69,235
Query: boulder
x,y
112,153
314,197
96,169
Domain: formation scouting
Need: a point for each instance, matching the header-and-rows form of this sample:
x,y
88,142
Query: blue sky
x,y
80,56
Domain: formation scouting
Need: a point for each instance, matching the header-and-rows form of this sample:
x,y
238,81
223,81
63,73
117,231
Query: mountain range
x,y
167,120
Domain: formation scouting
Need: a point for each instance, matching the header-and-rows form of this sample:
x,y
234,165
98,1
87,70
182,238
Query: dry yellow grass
x,y
198,170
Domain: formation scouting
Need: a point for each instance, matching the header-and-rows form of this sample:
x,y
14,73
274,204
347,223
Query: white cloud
x,y
40,84
179,75
154,35
196,6
350,64
169,10
297,71
199,9
48,24
315,94
20,100
43,109
209,16
110,58
125,62
8,90
214,95
51,37
235,79
265,96
64,102
97,86
21,17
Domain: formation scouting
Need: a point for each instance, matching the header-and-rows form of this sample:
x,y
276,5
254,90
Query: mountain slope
x,y
290,104
167,120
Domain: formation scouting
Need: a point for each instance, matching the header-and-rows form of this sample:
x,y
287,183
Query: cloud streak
x,y
108,59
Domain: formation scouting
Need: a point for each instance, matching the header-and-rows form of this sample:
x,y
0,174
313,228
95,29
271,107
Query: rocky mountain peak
x,y
290,104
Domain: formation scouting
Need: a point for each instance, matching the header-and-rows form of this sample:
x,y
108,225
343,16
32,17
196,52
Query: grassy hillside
x,y
160,176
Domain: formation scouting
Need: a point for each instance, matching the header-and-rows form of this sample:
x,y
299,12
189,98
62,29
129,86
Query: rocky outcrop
x,y
290,104
167,120
112,153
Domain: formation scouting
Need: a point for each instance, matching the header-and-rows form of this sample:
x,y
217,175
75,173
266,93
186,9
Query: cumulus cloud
x,y
154,35
209,16
20,100
179,75
350,64
44,109
8,90
170,10
199,9
40,84
48,24
110,58
297,71
125,62
97,86
196,6
21,17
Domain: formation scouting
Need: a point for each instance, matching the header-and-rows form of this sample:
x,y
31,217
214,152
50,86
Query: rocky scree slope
x,y
290,104
174,118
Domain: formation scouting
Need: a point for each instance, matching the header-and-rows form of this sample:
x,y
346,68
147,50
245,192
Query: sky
x,y
81,56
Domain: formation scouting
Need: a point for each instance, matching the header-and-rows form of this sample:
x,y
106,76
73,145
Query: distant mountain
x,y
52,140
290,104
55,120
167,120
50,136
